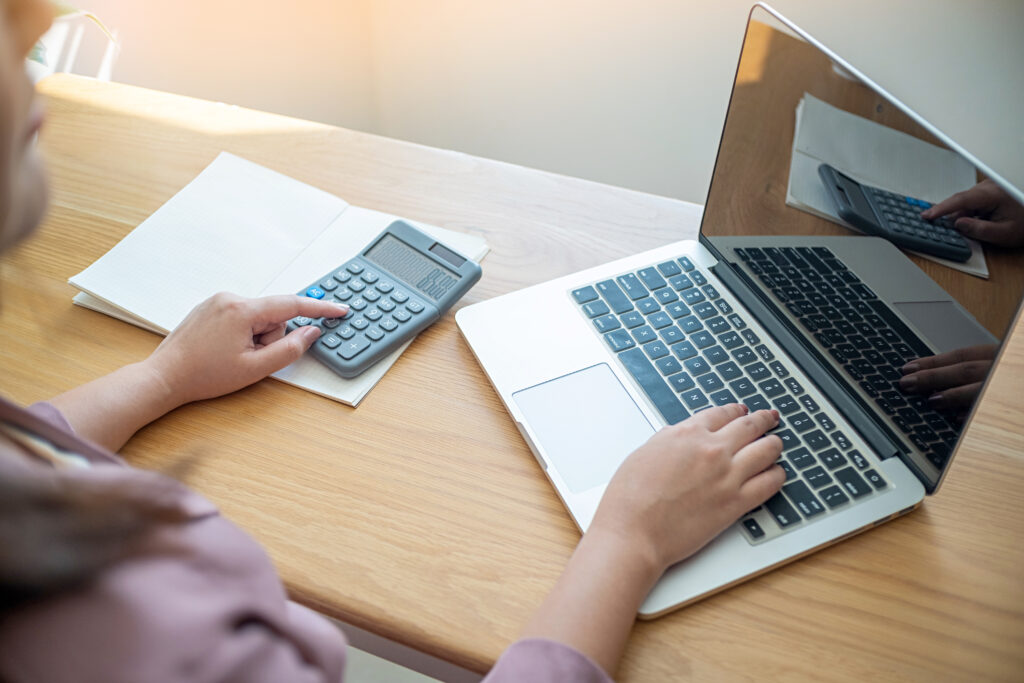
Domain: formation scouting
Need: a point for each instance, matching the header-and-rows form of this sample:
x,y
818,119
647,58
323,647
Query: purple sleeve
x,y
545,661
48,411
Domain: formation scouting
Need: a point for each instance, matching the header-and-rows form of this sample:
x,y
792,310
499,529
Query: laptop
x,y
780,304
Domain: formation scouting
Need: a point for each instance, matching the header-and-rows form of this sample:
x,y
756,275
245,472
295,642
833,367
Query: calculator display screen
x,y
408,264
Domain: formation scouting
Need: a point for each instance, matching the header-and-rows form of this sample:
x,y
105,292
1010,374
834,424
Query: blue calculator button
x,y
414,307
354,268
315,293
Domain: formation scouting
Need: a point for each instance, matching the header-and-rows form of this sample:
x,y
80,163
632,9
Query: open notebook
x,y
242,228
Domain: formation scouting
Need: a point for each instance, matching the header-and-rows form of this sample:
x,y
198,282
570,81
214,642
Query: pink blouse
x,y
207,607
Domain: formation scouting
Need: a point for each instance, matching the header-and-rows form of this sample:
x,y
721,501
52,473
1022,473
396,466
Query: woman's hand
x,y
668,499
985,212
229,342
690,481
950,380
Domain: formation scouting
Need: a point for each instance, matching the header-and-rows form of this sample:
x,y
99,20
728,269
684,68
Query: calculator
x,y
397,286
895,217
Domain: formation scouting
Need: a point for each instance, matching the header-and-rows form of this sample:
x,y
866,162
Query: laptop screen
x,y
890,257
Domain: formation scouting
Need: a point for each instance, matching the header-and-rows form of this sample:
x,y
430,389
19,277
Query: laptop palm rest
x,y
585,423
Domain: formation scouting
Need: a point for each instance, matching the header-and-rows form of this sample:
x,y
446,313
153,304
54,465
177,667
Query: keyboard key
x,y
697,366
710,291
691,324
720,398
744,356
315,293
801,458
619,340
686,263
632,319
400,297
369,277
595,308
832,458
793,386
663,398
375,333
656,350
771,388
788,469
743,387
677,309
852,483
354,268
328,285
388,325
789,439
651,278
354,347
669,268
817,477
694,398
693,296
803,498
680,283
758,372
331,341
731,340
373,295
729,371
665,296
386,305
618,301
825,422
764,352
668,365
659,320
875,479
684,350
859,460
718,325
750,336
782,511
632,286
705,310
809,404
360,323
723,306
702,339
402,316
672,334
356,286
716,354
801,422
738,322
605,323
648,306
779,369
816,440
681,382
698,278
754,529
710,382
834,496
842,441
786,404
342,276
757,402
374,314
385,287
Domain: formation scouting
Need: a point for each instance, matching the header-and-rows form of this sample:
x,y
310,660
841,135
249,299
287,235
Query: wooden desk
x,y
421,515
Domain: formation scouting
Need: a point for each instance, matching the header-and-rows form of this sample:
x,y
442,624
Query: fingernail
x,y
910,368
935,399
312,331
908,383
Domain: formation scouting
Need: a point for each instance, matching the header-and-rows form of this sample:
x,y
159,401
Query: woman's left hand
x,y
228,342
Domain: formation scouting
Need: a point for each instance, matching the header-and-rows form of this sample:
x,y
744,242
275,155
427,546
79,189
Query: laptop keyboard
x,y
859,331
688,350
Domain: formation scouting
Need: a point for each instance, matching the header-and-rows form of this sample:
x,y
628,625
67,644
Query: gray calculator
x,y
893,216
401,283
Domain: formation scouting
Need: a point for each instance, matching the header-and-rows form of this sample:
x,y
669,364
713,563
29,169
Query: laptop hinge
x,y
860,416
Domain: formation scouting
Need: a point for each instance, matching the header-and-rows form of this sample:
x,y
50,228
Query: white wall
x,y
630,93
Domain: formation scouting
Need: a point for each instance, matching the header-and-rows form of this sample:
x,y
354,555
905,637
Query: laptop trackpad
x,y
585,424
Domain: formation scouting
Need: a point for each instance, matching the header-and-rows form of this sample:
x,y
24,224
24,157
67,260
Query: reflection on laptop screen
x,y
820,205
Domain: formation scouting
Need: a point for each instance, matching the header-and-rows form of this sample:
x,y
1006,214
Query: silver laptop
x,y
803,293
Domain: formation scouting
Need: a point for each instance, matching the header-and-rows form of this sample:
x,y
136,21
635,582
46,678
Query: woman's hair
x,y
57,534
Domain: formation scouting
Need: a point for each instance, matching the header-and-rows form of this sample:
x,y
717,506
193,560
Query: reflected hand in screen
x,y
950,380
984,212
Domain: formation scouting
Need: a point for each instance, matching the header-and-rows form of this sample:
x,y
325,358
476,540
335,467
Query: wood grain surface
x,y
421,515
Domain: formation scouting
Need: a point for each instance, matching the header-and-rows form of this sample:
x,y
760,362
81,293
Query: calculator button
x,y
386,305
400,297
375,334
353,348
414,307
301,321
328,285
346,332
342,276
343,294
356,286
315,293
331,341
388,325
402,316
369,277
384,287
357,304
354,268
373,314
360,323
331,323
371,295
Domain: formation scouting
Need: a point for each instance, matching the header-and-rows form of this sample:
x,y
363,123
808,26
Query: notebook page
x,y
234,227
343,239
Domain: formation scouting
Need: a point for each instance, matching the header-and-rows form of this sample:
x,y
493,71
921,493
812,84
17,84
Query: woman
x,y
108,573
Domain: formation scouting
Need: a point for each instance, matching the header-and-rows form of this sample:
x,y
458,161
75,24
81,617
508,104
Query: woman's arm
x,y
226,343
682,488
